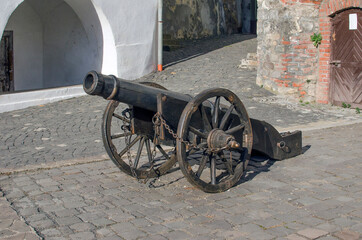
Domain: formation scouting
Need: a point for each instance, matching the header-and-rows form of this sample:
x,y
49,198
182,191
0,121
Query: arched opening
x,y
56,42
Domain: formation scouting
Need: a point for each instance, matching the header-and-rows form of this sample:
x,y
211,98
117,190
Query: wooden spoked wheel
x,y
214,140
134,154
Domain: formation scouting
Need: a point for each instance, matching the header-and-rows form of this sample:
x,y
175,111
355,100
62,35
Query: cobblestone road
x,y
56,184
313,196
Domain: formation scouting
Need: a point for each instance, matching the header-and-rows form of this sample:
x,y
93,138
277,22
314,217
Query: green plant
x,y
316,39
308,81
358,111
345,105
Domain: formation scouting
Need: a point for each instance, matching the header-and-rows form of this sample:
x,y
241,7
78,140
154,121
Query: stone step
x,y
252,56
250,62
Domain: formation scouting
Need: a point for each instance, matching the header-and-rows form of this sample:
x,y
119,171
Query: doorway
x,y
6,63
346,59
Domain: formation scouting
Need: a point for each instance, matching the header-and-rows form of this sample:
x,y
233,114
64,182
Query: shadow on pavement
x,y
257,164
194,48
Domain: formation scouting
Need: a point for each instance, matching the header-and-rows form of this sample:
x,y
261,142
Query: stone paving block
x,y
310,221
218,224
306,201
248,228
328,238
7,233
357,228
295,237
347,234
154,237
329,227
51,232
268,223
279,231
157,229
231,234
104,233
81,227
82,235
344,222
261,236
43,224
177,234
102,222
312,233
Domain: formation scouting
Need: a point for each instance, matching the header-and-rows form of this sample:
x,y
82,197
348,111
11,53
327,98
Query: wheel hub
x,y
219,140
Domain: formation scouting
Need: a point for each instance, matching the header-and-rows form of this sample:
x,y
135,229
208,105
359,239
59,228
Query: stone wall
x,y
288,60
193,19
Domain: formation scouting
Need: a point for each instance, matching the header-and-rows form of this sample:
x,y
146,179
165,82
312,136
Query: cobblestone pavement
x,y
316,195
54,175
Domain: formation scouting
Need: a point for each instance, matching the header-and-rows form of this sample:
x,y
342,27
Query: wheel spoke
x,y
192,151
228,162
235,129
149,151
197,132
213,169
202,145
121,118
205,119
202,165
129,146
121,135
163,152
225,118
215,115
139,151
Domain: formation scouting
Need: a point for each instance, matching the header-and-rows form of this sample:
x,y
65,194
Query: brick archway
x,y
328,8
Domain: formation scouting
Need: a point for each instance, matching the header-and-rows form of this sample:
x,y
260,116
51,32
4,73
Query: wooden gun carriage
x,y
210,135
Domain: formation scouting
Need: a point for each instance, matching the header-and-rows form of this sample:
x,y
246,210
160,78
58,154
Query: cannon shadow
x,y
258,163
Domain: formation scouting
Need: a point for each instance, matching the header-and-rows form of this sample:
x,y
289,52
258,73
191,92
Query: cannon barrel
x,y
139,95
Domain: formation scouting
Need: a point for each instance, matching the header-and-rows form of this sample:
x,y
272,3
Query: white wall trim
x,y
15,101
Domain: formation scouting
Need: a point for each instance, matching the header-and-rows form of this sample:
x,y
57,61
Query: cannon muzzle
x,y
135,94
99,84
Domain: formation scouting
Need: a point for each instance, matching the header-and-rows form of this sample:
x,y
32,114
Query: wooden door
x,y
6,63
346,58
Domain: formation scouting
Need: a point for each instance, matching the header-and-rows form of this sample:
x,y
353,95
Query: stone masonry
x,y
185,19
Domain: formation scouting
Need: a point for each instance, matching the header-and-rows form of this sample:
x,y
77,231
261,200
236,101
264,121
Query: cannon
x,y
146,129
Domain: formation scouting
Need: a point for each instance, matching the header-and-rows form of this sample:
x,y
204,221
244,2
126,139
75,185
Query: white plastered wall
x,y
134,27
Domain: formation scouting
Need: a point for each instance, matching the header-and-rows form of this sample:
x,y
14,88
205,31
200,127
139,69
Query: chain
x,y
156,126
158,120
126,129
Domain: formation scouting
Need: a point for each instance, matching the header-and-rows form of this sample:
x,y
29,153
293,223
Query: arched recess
x,y
326,11
56,42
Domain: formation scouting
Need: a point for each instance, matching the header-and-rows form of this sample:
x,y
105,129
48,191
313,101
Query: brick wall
x,y
289,63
